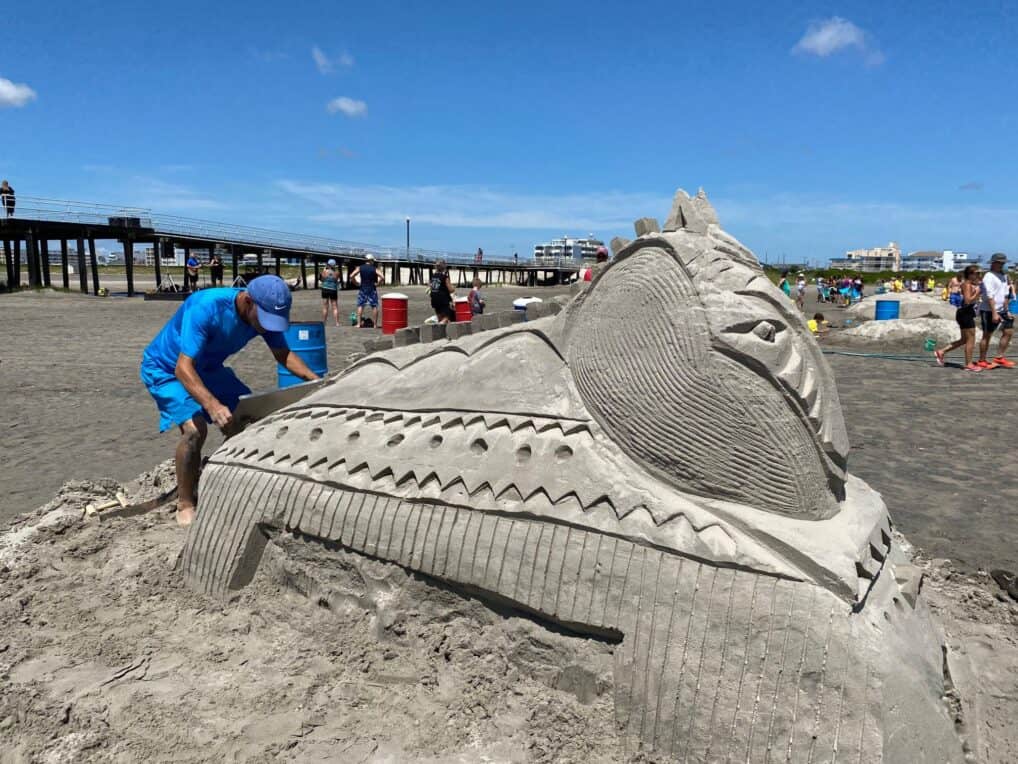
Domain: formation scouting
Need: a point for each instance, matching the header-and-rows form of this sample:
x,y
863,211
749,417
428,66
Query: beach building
x,y
870,260
946,260
568,247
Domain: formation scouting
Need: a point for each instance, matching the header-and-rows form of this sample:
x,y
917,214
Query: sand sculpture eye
x,y
766,331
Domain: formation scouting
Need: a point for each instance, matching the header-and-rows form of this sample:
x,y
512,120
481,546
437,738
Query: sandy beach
x,y
74,408
104,654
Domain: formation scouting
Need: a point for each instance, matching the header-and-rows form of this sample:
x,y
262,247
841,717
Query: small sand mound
x,y
909,332
910,305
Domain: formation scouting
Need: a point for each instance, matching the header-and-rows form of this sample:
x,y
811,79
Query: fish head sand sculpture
x,y
662,464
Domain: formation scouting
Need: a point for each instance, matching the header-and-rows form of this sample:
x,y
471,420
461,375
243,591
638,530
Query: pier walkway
x,y
38,222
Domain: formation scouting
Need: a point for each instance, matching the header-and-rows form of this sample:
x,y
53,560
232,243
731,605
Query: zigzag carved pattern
x,y
453,488
445,419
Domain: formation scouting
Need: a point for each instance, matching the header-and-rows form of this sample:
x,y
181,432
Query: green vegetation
x,y
868,278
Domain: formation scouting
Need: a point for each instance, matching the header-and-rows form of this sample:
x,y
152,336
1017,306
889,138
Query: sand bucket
x,y
306,339
930,344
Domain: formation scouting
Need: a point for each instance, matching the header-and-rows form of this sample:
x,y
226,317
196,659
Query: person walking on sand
x,y
7,197
800,292
441,290
367,277
965,315
183,370
330,292
954,291
476,299
993,313
191,273
216,269
784,285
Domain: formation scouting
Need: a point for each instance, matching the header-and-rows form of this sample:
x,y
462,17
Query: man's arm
x,y
355,277
189,378
379,278
294,363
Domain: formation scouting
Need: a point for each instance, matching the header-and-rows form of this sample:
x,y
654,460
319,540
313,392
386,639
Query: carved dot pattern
x,y
315,434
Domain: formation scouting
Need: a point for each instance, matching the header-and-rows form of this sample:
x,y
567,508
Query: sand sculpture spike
x,y
663,464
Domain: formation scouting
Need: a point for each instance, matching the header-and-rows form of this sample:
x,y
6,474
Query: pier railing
x,y
83,213
254,238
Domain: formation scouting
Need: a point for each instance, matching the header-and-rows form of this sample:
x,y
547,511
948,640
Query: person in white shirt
x,y
993,313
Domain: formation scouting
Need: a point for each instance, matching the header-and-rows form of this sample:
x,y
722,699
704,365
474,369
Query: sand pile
x,y
104,655
904,333
910,305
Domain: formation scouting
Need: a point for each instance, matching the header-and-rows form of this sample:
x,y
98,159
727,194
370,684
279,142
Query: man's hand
x,y
220,414
994,317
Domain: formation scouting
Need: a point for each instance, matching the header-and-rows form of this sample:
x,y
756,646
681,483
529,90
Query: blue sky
x,y
813,127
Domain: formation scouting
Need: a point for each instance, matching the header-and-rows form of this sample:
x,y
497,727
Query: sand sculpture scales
x,y
662,463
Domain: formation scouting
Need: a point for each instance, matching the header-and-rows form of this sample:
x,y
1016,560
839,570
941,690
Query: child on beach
x,y
476,299
966,318
818,325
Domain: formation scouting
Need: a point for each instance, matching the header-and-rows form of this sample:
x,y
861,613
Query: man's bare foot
x,y
185,516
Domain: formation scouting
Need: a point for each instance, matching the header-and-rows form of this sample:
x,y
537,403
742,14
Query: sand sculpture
x,y
663,465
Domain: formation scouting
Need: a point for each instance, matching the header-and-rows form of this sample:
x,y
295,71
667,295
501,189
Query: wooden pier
x,y
27,237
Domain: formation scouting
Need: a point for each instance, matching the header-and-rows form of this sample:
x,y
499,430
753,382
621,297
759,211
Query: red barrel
x,y
394,312
463,312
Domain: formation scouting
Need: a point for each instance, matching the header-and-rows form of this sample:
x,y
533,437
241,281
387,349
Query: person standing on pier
x,y
184,372
367,278
7,197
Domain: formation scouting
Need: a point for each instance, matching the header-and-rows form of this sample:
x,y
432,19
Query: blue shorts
x,y
176,405
367,297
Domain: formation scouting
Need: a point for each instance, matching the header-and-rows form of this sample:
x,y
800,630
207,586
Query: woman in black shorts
x,y
441,291
966,318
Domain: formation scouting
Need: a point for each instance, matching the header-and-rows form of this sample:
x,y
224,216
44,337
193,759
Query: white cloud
x,y
14,95
327,65
474,207
351,107
321,60
829,36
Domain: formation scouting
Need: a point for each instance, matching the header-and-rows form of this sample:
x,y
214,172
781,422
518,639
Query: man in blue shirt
x,y
191,273
184,372
367,278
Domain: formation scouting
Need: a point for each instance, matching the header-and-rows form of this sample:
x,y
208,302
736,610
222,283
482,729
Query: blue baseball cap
x,y
272,297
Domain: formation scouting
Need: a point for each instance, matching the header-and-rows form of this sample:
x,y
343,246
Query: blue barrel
x,y
887,309
306,339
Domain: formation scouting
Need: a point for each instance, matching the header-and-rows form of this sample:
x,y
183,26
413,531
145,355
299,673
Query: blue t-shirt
x,y
208,328
192,262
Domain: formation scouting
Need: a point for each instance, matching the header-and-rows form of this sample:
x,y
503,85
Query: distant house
x,y
568,247
938,260
870,260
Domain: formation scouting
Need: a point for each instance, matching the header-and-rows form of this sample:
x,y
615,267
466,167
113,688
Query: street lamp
x,y
408,238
